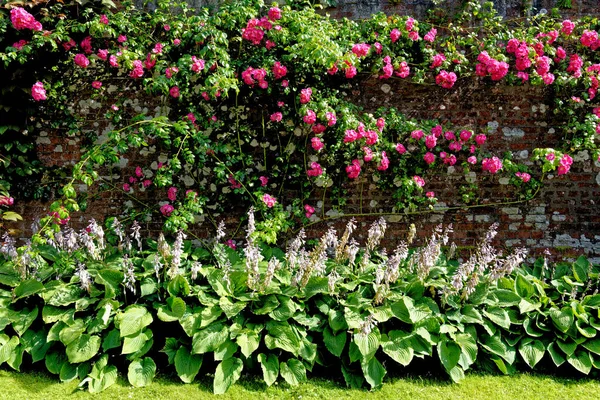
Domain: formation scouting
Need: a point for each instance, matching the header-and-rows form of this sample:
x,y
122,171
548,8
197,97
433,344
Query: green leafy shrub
x,y
92,304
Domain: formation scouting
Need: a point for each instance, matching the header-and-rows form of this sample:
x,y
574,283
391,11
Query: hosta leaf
x,y
337,321
567,347
556,355
334,343
266,305
270,367
178,286
457,374
209,315
562,319
532,351
54,362
83,349
449,354
136,342
225,351
282,336
104,377
25,320
592,301
353,380
148,286
141,372
368,344
293,371
531,328
227,373
172,311
592,345
315,285
286,309
8,349
581,361
28,288
406,311
468,346
373,372
399,350
498,316
112,340
507,297
70,333
248,342
495,345
68,372
523,287
308,350
187,365
209,339
586,331
190,323
170,349
580,269
230,308
133,320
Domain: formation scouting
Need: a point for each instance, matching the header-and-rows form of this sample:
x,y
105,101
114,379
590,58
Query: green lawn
x,y
22,386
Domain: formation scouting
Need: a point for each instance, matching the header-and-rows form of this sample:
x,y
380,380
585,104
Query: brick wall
x,y
563,217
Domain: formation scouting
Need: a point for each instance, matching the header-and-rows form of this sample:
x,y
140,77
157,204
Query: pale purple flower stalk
x,y
118,229
351,252
274,265
174,270
332,279
367,326
85,280
291,255
8,247
89,244
129,279
253,254
163,247
195,268
135,234
340,251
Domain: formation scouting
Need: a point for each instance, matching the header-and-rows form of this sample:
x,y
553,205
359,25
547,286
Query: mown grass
x,y
34,385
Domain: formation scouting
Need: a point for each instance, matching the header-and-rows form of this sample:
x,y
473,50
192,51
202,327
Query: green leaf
x,y
102,376
187,365
286,309
172,311
449,353
316,285
133,320
270,367
567,347
592,345
209,339
227,373
498,316
406,311
373,372
581,361
293,371
523,287
178,286
27,288
282,336
112,280
8,349
532,351
496,345
68,372
456,374
468,347
225,351
586,331
148,286
353,380
136,342
230,308
112,340
83,348
580,269
209,315
170,349
506,297
71,333
562,319
399,350
337,321
52,314
266,305
26,318
556,355
54,361
334,343
141,372
248,342
368,344
592,301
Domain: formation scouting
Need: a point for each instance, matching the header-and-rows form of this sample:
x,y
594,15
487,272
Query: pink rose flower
x,y
38,92
305,95
395,35
81,60
263,180
429,158
174,92
331,118
104,19
492,165
419,181
309,210
310,117
316,144
269,200
167,210
96,84
122,39
21,19
445,79
279,71
274,13
172,193
385,162
276,117
315,170
353,170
